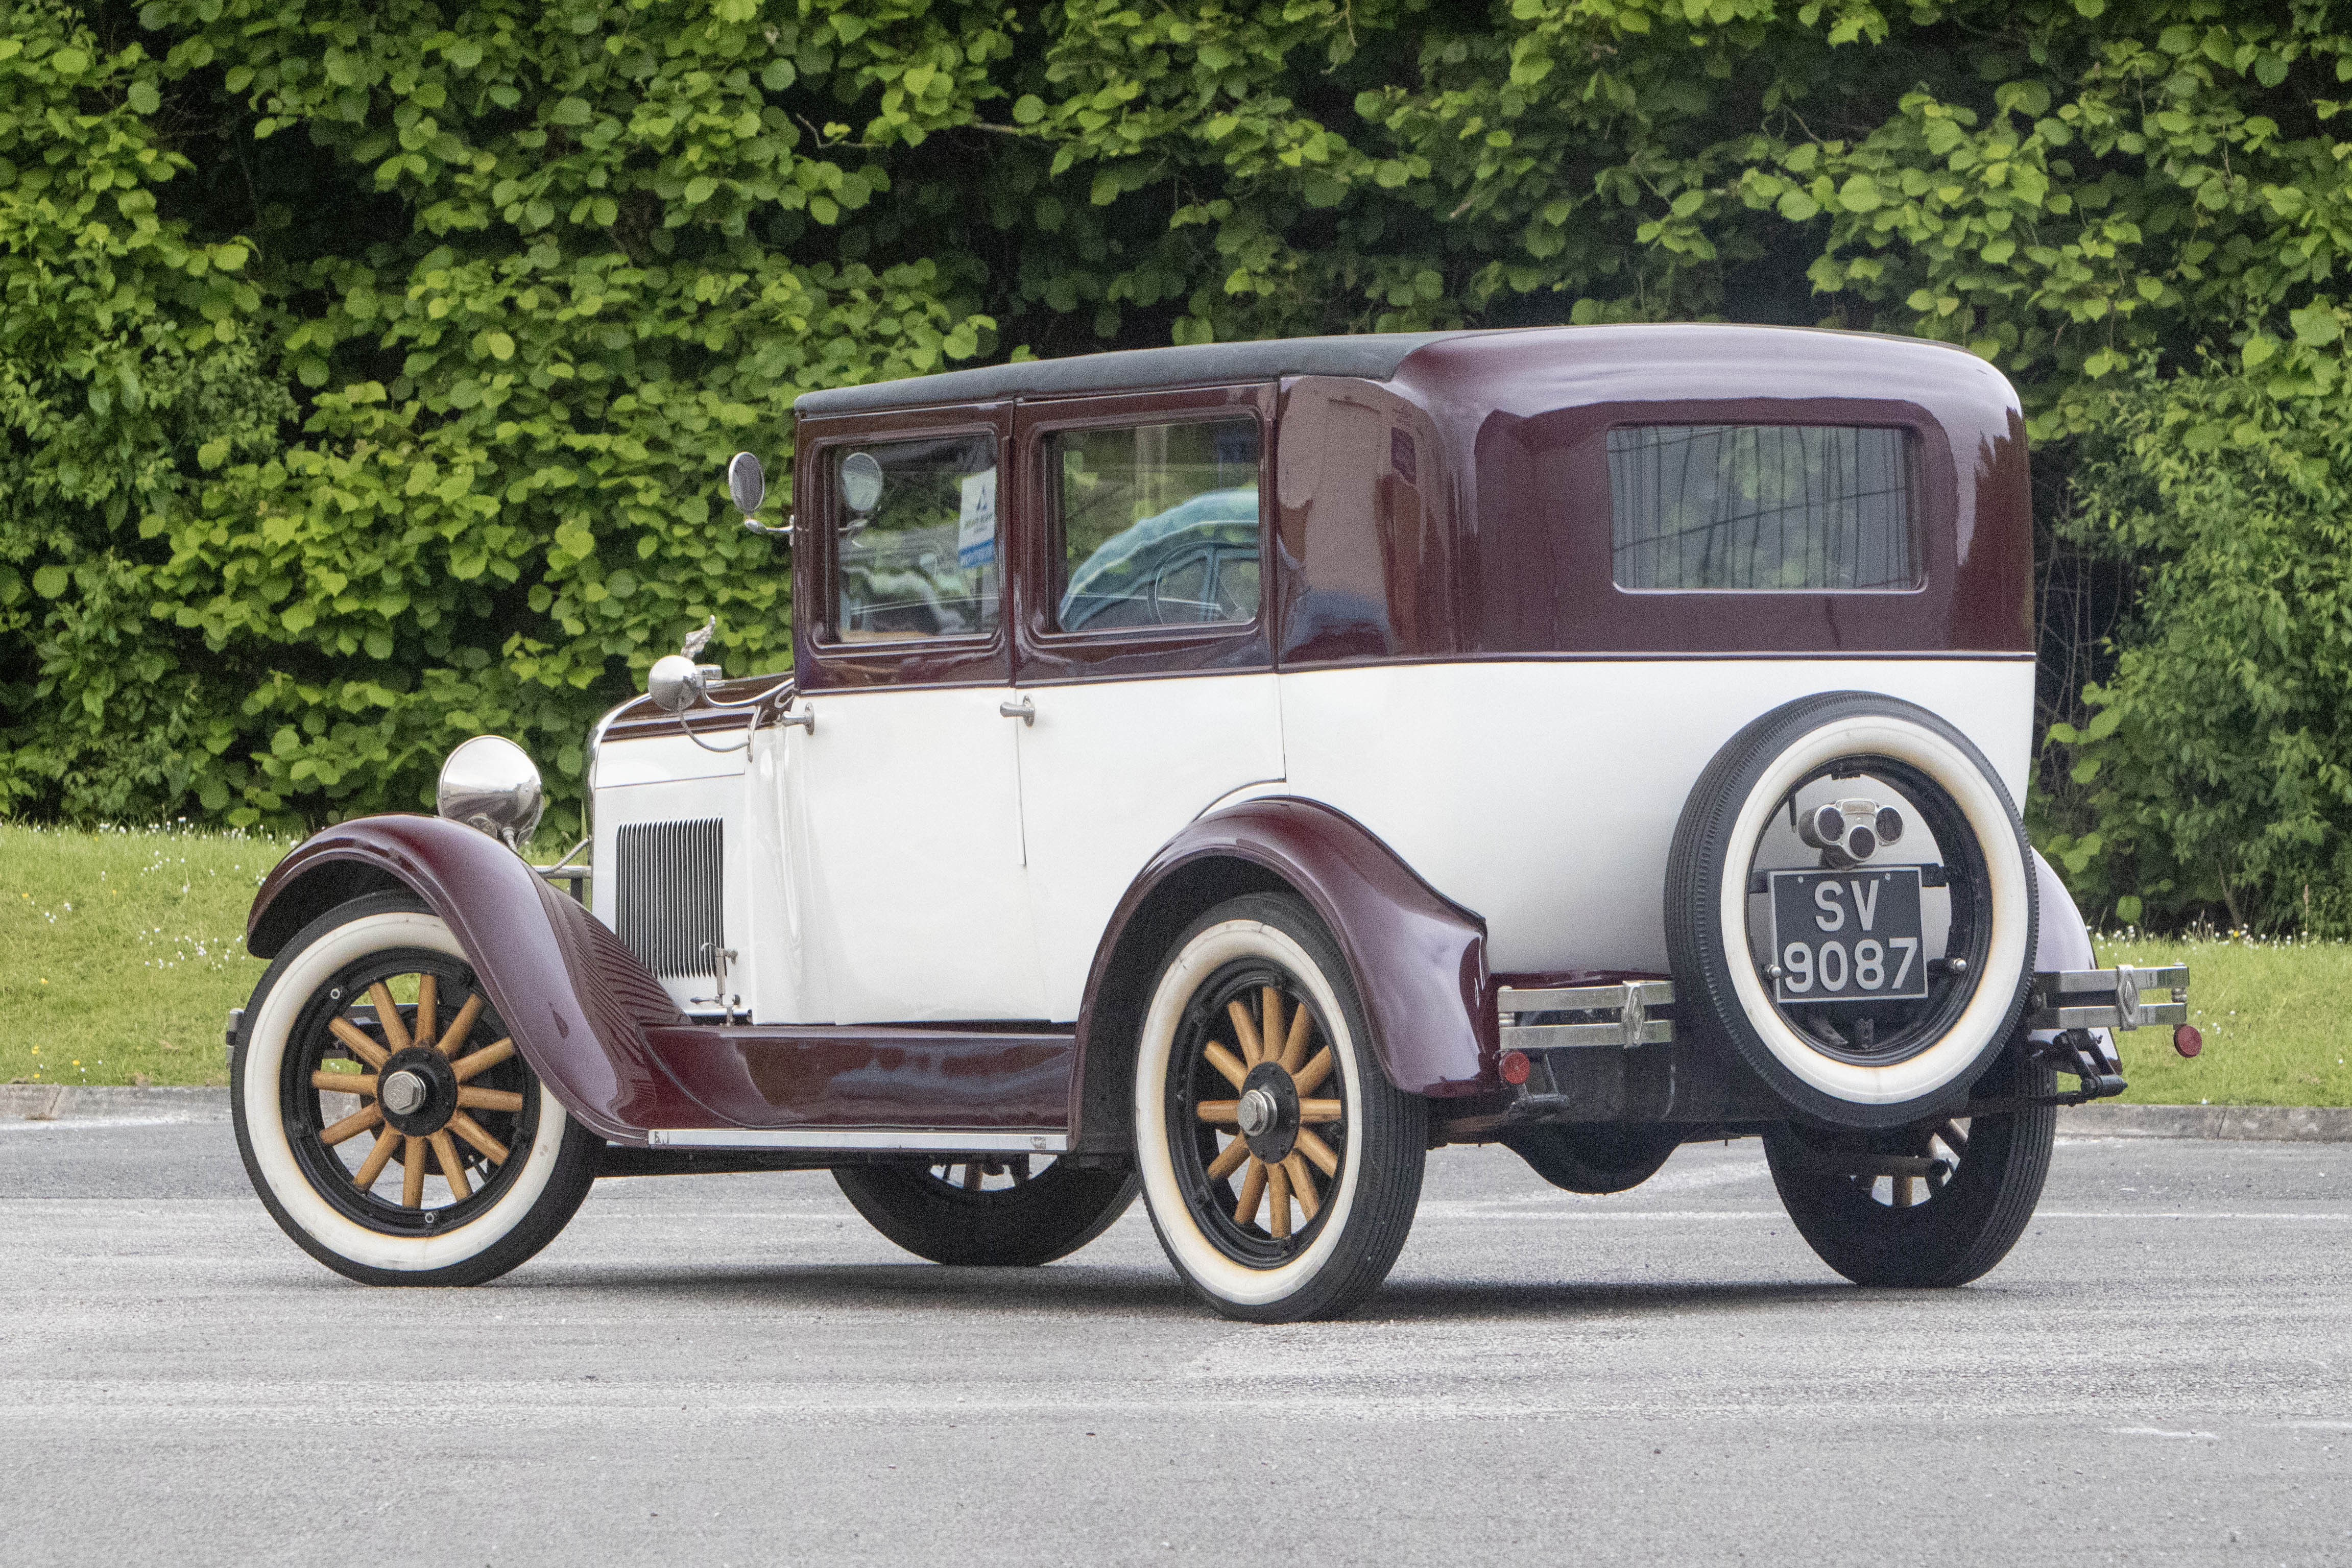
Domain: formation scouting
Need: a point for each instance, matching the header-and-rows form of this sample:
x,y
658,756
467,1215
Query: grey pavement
x,y
735,1370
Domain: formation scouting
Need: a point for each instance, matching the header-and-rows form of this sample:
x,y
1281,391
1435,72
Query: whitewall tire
x,y
1281,1169
1854,1060
447,1161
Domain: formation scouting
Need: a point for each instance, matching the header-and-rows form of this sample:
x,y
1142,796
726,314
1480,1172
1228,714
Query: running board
x,y
860,1140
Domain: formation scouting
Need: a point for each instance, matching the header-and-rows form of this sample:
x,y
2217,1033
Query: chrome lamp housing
x,y
489,783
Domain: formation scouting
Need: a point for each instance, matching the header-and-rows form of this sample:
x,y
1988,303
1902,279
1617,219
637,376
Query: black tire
x,y
1594,1156
1854,1060
512,1203
1359,1152
1968,1221
989,1211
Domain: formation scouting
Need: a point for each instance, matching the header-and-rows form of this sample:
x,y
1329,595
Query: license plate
x,y
1847,936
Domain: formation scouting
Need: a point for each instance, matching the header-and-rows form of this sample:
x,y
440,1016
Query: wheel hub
x,y
405,1092
417,1091
1268,1111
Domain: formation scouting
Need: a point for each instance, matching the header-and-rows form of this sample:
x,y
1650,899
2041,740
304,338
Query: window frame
x,y
823,659
1047,653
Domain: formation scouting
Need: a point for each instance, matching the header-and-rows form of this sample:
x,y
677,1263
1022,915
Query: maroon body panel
x,y
1418,960
872,1076
578,1002
1458,508
1526,415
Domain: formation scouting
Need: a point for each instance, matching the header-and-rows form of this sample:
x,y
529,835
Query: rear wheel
x,y
1281,1169
383,1115
990,1210
1935,1204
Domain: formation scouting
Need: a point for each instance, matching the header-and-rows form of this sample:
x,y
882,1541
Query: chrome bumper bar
x,y
2123,999
1615,1017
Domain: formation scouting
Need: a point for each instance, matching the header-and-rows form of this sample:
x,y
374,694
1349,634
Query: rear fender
x,y
575,1000
1418,959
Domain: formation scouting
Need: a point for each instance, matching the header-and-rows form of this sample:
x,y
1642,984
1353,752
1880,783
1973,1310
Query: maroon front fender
x,y
576,1001
1418,959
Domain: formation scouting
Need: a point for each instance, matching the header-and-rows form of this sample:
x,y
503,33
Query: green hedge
x,y
366,370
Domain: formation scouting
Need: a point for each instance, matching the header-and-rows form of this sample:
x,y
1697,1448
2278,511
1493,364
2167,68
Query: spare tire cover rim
x,y
1988,817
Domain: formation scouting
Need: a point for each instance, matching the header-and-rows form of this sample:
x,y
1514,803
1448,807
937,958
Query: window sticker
x,y
976,527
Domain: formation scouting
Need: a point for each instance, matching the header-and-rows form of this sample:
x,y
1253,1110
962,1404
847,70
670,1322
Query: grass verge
x,y
125,949
2274,1017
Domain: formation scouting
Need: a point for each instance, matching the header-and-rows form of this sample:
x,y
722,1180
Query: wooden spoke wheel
x,y
1269,1121
1281,1169
401,1113
1936,1202
1000,1210
384,1114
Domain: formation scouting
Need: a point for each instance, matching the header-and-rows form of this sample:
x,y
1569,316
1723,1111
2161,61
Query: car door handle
x,y
1025,710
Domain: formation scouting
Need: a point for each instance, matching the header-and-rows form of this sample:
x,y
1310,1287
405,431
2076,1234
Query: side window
x,y
1803,508
1156,524
914,532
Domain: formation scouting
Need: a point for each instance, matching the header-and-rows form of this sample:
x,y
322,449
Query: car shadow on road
x,y
1081,1290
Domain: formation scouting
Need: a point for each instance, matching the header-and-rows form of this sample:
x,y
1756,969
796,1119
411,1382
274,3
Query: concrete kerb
x,y
74,1101
2271,1124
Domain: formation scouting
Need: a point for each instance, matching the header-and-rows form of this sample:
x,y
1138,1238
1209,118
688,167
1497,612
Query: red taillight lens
x,y
2187,1040
1515,1067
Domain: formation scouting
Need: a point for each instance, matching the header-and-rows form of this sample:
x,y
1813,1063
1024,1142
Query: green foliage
x,y
367,371
2218,768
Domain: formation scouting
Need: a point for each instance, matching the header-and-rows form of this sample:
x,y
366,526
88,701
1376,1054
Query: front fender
x,y
575,1000
1418,959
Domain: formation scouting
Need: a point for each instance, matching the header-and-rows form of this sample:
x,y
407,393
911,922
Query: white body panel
x,y
1543,794
1110,772
921,856
753,880
904,809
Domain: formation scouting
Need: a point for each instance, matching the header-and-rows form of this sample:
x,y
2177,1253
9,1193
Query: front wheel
x,y
383,1115
1932,1204
993,1211
1280,1167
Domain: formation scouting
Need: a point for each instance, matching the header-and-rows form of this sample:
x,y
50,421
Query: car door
x,y
903,799
1143,652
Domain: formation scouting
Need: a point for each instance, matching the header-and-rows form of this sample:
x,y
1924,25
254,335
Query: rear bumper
x,y
1589,1058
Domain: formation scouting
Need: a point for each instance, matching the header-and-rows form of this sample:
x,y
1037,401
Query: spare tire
x,y
1888,848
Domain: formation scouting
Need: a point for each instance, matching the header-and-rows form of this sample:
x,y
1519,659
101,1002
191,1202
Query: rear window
x,y
1763,508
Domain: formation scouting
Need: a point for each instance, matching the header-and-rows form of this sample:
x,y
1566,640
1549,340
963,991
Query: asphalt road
x,y
736,1370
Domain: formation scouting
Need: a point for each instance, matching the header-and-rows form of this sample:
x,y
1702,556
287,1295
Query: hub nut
x,y
402,1093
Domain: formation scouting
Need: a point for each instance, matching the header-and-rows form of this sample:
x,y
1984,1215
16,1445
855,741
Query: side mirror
x,y
491,784
747,485
746,482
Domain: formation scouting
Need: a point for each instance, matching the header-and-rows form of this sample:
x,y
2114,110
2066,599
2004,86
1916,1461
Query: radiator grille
x,y
669,895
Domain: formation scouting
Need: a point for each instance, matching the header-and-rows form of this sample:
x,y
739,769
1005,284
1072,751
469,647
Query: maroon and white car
x,y
1228,773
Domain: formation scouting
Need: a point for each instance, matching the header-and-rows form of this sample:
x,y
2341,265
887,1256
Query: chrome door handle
x,y
1025,710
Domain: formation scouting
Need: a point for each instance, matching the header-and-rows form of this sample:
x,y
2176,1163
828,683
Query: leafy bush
x,y
365,371
2217,772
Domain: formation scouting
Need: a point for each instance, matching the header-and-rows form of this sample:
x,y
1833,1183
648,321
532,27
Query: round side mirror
x,y
674,683
746,482
489,783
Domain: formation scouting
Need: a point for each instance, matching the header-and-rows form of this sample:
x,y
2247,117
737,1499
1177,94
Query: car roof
x,y
1371,356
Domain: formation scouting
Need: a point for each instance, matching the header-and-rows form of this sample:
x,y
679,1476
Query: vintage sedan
x,y
1227,773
